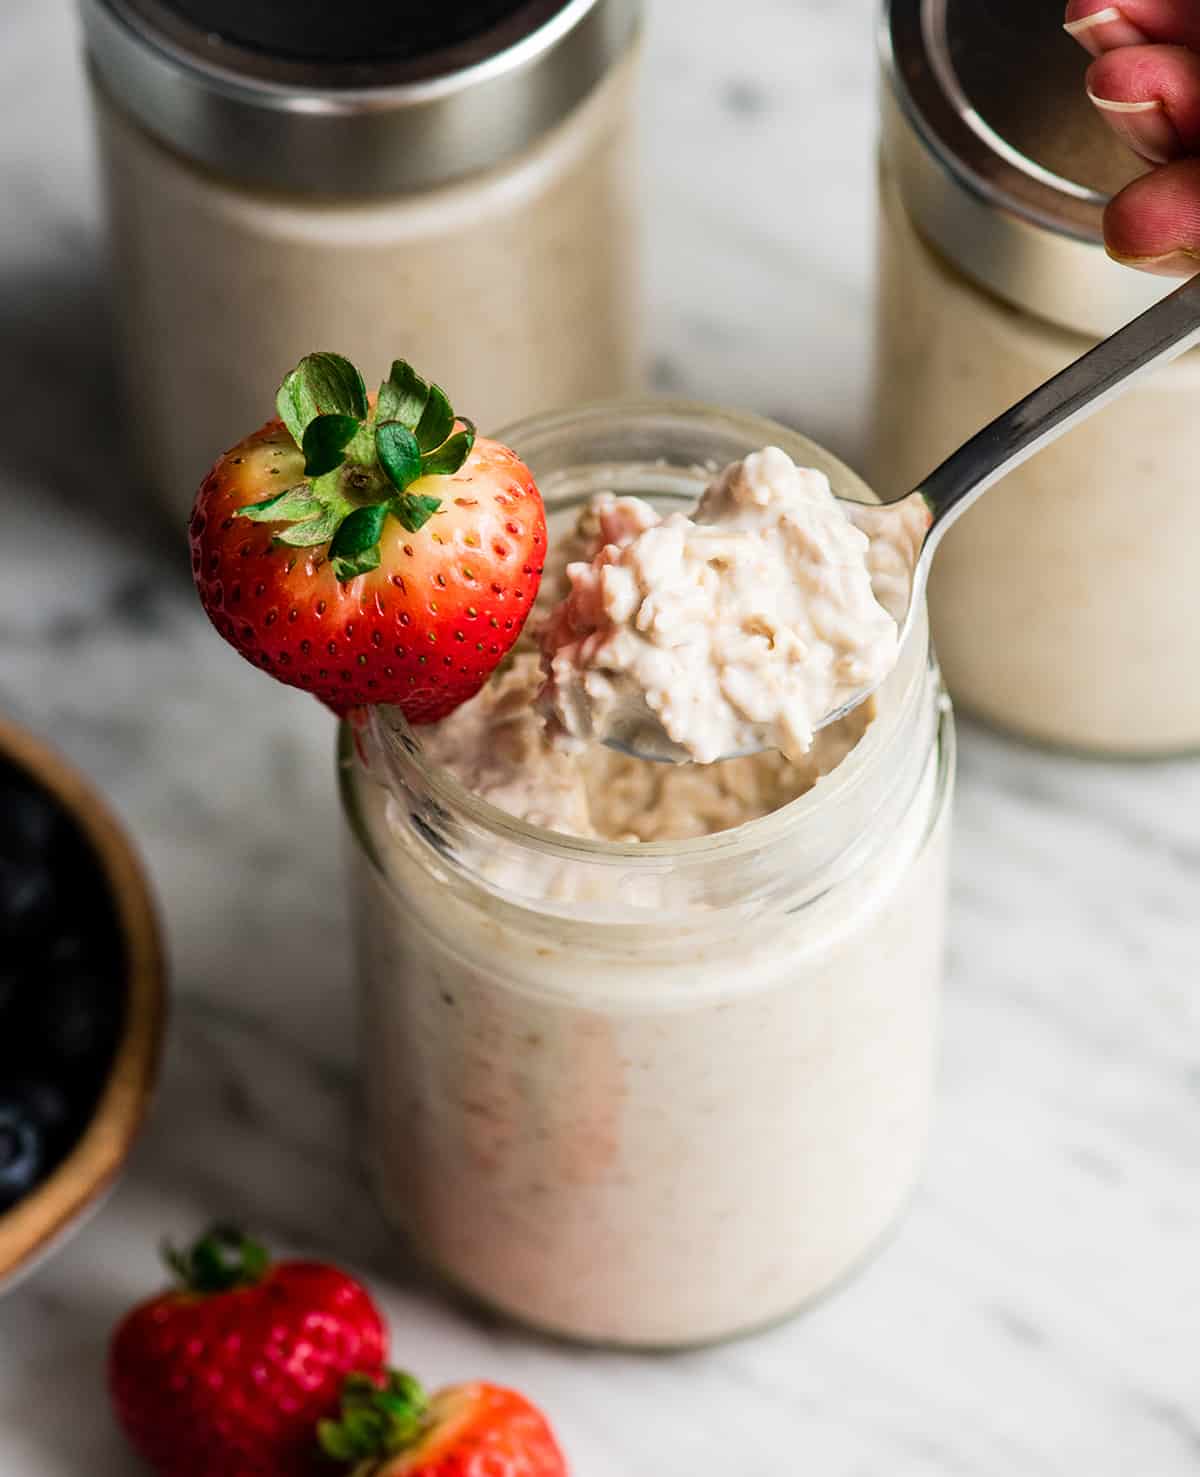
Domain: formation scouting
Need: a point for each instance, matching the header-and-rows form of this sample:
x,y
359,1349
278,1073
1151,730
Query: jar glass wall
x,y
1063,604
652,1094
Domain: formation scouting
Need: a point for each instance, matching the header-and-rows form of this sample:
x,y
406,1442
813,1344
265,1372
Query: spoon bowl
x,y
635,730
919,520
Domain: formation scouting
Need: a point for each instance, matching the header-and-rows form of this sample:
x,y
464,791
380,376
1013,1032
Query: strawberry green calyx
x,y
222,1259
375,1420
359,461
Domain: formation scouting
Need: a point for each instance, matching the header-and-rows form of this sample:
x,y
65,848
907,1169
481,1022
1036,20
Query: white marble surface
x,y
1038,1311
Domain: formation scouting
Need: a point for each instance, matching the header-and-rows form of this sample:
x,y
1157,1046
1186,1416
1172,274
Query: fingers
x,y
1154,223
1150,97
1145,84
1101,26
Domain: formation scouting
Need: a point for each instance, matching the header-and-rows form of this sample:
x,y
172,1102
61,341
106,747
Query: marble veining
x,y
1037,1311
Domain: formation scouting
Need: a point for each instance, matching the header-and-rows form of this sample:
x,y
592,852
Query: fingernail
x,y
1179,263
1105,30
1144,126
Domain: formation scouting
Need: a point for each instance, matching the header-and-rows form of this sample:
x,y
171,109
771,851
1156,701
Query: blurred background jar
x,y
448,183
1064,605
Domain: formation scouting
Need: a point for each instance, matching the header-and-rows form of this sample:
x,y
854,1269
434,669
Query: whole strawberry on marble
x,y
227,1374
369,549
389,1427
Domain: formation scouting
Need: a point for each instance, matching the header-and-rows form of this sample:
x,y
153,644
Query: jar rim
x,y
832,789
854,786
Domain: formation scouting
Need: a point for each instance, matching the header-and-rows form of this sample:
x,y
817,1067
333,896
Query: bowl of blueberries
x,y
82,1000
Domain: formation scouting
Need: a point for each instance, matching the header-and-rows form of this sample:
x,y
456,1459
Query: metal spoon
x,y
1167,330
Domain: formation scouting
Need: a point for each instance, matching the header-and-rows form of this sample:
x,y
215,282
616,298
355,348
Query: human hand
x,y
1145,83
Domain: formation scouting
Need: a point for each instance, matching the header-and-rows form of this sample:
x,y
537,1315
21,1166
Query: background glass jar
x,y
458,192
1064,604
652,1094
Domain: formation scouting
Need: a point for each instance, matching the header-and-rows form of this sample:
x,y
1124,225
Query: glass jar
x,y
656,1094
464,200
1063,604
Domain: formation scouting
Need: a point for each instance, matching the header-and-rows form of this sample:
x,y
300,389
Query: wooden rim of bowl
x,y
35,1223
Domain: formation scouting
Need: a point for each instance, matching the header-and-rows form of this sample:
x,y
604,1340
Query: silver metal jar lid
x,y
1001,160
379,125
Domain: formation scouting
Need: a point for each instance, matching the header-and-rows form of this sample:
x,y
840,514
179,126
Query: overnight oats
x,y
649,1048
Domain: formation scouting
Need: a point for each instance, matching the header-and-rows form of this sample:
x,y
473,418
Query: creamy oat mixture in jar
x,y
1064,604
649,1051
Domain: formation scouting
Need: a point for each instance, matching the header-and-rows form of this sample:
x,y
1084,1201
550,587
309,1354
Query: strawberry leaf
x,y
414,510
359,530
348,569
402,396
353,454
336,1442
294,502
360,449
355,546
398,452
223,1258
321,384
324,443
375,1422
450,455
318,530
437,420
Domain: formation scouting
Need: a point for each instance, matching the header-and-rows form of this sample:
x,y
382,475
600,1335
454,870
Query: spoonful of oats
x,y
775,607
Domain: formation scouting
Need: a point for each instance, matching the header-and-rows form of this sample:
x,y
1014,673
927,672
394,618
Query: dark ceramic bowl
x,y
47,1215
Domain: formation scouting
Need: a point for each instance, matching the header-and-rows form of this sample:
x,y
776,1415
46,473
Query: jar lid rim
x,y
348,128
1016,224
160,23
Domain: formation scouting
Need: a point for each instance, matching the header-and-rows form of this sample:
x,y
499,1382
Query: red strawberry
x,y
227,1375
369,551
388,1428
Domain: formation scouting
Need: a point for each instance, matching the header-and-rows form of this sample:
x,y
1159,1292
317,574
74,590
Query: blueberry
x,y
48,1103
59,1110
22,1151
61,962
68,950
12,977
74,1018
30,819
28,899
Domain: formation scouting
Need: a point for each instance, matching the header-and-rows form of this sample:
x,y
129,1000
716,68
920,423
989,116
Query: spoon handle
x,y
1166,330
